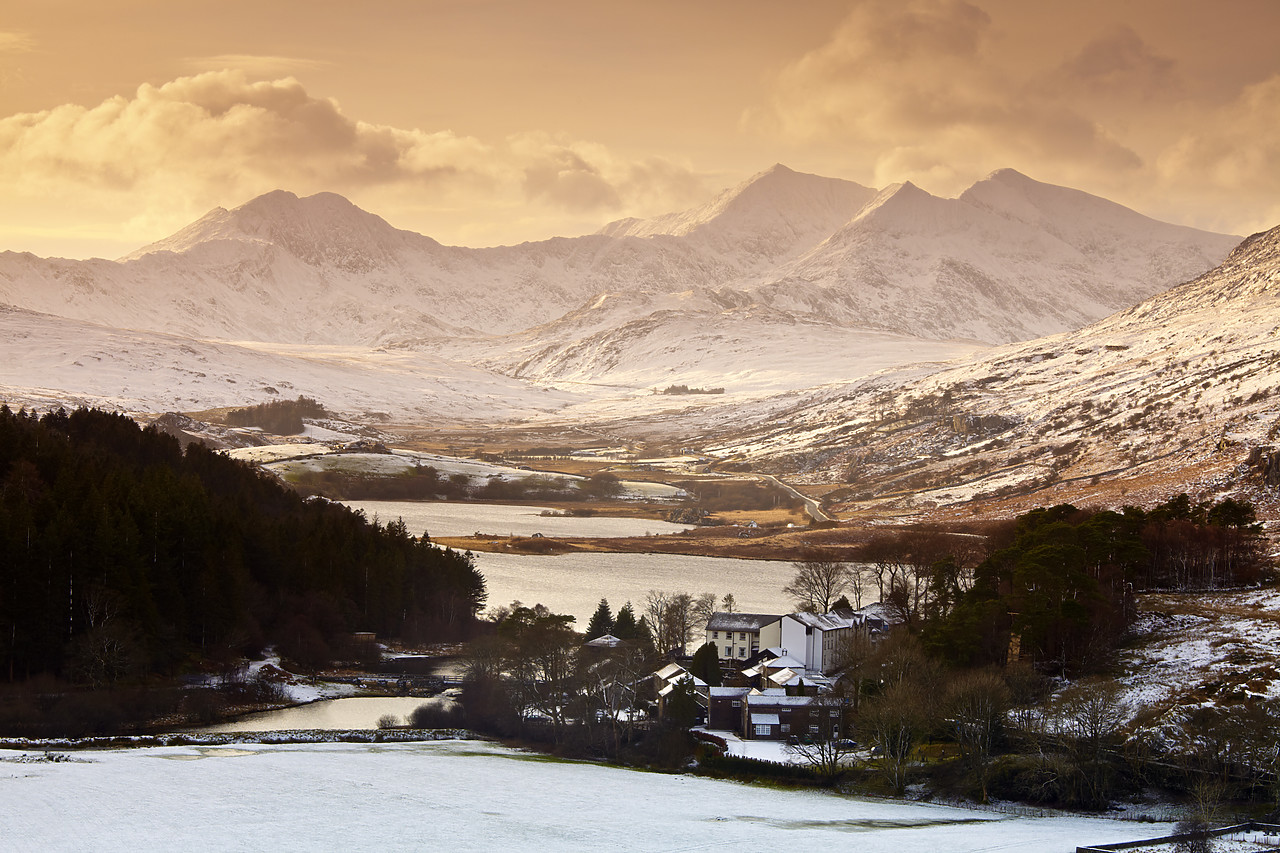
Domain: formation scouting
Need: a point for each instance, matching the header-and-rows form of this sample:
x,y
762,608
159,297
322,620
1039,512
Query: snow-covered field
x,y
460,796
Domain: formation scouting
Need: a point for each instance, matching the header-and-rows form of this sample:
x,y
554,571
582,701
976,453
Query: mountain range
x,y
784,282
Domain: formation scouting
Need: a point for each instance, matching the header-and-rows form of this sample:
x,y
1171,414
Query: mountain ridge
x,y
824,249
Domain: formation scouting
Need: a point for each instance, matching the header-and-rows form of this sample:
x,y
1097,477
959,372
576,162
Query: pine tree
x,y
624,626
602,621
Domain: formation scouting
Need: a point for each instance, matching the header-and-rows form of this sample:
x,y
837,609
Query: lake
x,y
356,712
442,518
575,583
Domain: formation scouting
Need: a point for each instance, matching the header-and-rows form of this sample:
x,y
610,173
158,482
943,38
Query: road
x,y
810,504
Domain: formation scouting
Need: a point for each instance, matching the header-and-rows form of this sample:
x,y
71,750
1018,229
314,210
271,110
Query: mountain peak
x,y
774,213
900,204
1009,176
316,228
1076,217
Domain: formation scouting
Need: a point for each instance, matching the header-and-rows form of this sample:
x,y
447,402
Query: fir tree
x,y
602,621
624,626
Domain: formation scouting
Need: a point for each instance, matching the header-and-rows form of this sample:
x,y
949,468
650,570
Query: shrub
x,y
437,714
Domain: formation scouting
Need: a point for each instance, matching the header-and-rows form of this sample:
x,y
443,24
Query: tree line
x,y
278,417
425,482
1054,586
125,556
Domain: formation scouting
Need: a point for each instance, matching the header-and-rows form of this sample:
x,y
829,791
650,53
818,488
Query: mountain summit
x,y
770,217
317,229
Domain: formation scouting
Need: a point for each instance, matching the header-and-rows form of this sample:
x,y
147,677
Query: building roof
x,y
732,692
880,610
772,701
722,621
824,621
765,720
782,662
608,641
697,682
669,671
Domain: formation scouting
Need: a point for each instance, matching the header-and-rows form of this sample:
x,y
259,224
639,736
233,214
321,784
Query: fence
x,y
1270,832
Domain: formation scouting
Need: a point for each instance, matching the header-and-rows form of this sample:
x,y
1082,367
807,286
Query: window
x,y
737,704
715,635
786,728
762,731
742,635
813,730
728,651
742,652
835,715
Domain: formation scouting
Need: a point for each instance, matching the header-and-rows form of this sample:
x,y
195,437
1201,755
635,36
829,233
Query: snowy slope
x,y
771,217
1011,259
48,360
1178,392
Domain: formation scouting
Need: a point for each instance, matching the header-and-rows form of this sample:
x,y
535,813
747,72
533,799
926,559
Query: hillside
x,y
1176,393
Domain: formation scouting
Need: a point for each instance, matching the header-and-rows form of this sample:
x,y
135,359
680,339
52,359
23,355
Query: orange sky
x,y
487,121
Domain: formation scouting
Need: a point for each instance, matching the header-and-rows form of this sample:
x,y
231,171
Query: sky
x,y
484,122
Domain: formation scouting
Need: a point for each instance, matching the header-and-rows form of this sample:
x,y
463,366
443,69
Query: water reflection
x,y
359,712
441,518
575,583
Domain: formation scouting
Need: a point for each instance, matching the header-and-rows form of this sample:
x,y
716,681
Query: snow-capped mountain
x,y
1175,394
1010,259
784,282
768,219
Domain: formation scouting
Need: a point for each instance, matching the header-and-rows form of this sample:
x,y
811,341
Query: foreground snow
x,y
463,795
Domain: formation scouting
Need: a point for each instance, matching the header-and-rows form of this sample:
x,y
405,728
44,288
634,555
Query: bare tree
x,y
828,750
817,584
895,722
1092,714
907,707
978,703
729,604
859,581
674,617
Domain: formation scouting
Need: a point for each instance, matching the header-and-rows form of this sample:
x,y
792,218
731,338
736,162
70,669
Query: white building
x,y
816,639
737,635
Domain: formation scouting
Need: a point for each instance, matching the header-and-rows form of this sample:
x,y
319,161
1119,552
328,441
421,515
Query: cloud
x,y
1120,65
1231,155
922,88
13,42
220,138
254,65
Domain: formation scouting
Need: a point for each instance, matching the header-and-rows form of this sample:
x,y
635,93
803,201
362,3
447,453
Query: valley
x,y
802,370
